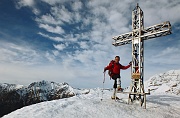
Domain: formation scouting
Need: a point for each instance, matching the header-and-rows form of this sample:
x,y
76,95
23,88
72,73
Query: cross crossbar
x,y
158,30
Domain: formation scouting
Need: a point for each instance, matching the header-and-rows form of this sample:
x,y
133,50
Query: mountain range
x,y
13,96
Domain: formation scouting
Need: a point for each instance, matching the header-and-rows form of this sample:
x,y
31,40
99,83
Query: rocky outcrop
x,y
13,96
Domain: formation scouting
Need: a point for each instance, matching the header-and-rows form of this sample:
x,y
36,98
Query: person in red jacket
x,y
115,67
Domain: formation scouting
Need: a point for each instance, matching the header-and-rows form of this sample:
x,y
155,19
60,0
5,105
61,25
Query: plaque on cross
x,y
136,37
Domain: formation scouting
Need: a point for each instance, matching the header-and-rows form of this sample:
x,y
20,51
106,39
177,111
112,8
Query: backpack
x,y
110,71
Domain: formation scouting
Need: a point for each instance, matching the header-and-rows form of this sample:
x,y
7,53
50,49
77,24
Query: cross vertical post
x,y
137,85
137,37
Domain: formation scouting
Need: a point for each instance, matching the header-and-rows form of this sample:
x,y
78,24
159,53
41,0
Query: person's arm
x,y
108,67
125,67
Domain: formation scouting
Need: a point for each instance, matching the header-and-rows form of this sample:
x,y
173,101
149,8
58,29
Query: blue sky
x,y
71,40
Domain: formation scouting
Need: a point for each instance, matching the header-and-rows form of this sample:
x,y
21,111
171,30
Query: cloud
x,y
57,39
84,45
48,19
50,57
55,52
18,54
76,6
36,11
59,47
169,55
23,3
28,3
54,2
164,11
56,29
62,13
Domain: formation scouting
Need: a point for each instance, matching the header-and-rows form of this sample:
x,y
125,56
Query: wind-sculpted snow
x,y
14,96
168,82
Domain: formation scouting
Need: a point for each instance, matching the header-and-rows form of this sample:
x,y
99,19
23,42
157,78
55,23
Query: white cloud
x,y
77,5
54,2
71,37
62,13
56,29
48,19
36,11
168,51
50,57
159,11
18,54
28,3
59,47
55,52
83,45
169,55
23,3
57,39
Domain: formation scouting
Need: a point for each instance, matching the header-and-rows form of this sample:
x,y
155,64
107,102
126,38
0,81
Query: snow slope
x,y
168,82
90,106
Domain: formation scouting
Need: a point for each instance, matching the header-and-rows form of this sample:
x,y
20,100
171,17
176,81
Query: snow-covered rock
x,y
5,87
168,82
13,96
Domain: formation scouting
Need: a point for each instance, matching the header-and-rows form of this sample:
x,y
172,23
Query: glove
x,y
130,62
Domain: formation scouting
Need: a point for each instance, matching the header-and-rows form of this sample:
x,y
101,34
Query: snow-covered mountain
x,y
14,96
168,82
164,102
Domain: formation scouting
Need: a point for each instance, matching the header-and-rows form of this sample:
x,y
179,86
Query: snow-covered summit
x,y
168,82
9,87
46,90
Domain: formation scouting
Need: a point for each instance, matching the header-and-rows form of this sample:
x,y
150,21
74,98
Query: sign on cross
x,y
136,38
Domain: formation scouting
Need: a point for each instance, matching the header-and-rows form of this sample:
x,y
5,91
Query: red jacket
x,y
116,67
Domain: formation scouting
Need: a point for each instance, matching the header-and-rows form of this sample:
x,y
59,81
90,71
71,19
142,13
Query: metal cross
x,y
137,37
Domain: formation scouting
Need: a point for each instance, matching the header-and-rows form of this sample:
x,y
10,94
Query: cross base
x,y
140,97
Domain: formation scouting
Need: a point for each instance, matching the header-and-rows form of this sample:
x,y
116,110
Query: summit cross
x,y
136,37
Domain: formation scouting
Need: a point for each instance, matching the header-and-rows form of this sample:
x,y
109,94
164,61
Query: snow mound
x,y
168,82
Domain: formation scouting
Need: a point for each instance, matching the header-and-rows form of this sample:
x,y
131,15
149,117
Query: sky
x,y
71,40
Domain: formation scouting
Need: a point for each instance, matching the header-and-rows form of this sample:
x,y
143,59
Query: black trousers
x,y
114,77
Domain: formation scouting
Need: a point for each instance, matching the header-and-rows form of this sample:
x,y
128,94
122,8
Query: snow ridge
x,y
168,82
